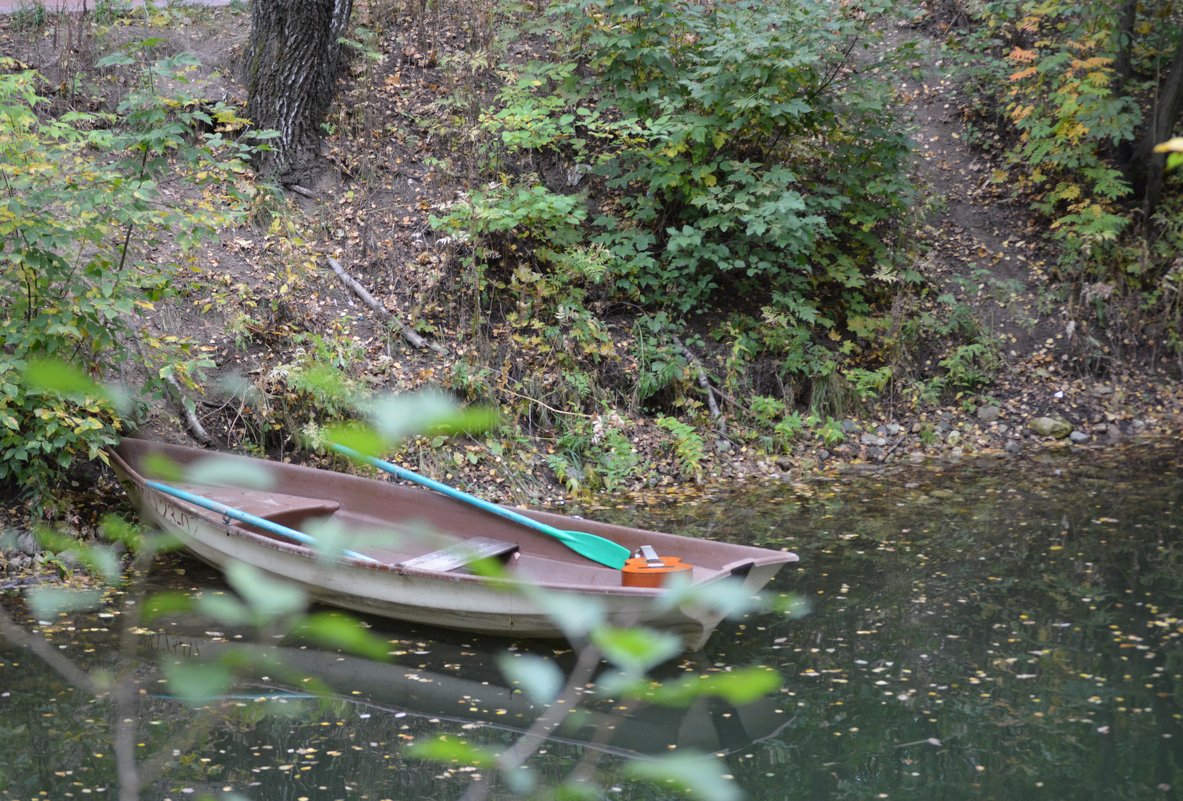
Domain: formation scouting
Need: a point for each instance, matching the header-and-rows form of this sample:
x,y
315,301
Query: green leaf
x,y
635,650
119,59
698,775
223,472
100,560
162,468
729,597
46,603
575,616
225,609
117,529
51,375
335,630
447,749
471,420
362,439
736,687
266,596
164,604
397,416
197,682
538,676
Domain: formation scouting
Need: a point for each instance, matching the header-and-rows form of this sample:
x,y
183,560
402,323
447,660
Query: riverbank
x,y
263,305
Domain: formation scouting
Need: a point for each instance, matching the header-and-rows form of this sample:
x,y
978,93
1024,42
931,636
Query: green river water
x,y
999,631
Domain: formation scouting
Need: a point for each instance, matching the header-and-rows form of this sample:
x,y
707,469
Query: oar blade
x,y
597,549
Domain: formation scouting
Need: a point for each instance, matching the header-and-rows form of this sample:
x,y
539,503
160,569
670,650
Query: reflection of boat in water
x,y
424,579
461,685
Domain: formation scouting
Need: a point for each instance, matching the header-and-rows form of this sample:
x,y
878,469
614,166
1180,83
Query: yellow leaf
x,y
1172,145
710,180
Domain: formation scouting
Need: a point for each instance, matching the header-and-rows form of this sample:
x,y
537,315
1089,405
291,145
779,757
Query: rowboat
x,y
408,553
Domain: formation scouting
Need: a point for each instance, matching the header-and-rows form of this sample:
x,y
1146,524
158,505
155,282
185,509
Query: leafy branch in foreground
x,y
622,655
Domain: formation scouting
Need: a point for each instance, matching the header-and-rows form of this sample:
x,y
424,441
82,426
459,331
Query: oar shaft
x,y
589,546
451,492
246,517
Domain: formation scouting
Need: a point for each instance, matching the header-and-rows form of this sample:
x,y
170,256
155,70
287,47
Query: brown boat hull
x,y
394,524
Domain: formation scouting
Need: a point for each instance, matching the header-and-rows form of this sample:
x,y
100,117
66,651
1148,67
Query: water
x,y
994,632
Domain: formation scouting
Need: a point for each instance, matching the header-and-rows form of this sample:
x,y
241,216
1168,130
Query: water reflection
x,y
980,633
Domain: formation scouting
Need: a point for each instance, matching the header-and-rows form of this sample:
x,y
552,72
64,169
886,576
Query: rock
x,y
875,453
1079,437
953,439
1115,433
1056,427
1012,446
873,440
892,429
849,427
26,543
988,414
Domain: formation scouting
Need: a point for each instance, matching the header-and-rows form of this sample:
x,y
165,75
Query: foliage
x,y
1072,86
689,448
594,454
625,170
81,208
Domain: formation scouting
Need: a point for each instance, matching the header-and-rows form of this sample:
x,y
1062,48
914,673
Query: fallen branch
x,y
705,383
299,190
408,333
186,411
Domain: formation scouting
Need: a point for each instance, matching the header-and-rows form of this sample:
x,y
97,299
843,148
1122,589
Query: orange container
x,y
638,572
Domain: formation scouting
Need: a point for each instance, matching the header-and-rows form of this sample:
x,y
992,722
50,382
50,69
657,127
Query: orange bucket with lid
x,y
647,569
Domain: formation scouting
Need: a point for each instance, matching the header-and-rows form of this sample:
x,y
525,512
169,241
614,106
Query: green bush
x,y
81,208
673,155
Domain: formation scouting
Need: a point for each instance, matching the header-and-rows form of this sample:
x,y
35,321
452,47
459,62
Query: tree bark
x,y
1163,116
293,61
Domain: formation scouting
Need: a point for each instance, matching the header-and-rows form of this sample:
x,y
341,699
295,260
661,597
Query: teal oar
x,y
246,517
590,546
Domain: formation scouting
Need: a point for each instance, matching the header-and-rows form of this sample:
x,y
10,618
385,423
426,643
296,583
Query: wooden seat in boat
x,y
461,554
287,510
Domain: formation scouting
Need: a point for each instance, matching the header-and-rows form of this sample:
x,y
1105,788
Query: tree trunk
x,y
292,64
1163,117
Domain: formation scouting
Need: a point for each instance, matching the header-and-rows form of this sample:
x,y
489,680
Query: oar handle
x,y
246,517
451,492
